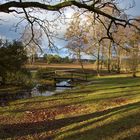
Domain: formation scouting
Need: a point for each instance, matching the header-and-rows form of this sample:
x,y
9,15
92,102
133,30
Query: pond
x,y
38,90
50,90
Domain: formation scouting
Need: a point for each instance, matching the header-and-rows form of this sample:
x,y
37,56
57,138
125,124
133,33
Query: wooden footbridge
x,y
60,75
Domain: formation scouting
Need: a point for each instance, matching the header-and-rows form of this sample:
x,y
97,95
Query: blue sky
x,y
7,30
135,11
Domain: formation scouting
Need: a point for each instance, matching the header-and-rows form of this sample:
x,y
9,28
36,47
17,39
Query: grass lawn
x,y
107,109
9,89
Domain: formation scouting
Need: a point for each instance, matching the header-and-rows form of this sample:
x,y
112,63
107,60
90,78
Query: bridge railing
x,y
71,74
48,75
65,74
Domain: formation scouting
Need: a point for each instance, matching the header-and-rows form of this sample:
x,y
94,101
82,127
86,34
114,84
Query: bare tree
x,y
121,47
94,35
134,42
32,46
127,47
30,11
76,35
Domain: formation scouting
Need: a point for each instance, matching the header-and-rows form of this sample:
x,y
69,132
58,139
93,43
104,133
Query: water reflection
x,y
50,90
38,90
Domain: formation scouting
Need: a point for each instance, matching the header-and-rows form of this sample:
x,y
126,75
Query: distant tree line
x,y
50,58
55,59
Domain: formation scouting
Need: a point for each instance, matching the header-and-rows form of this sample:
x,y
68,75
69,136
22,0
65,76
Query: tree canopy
x,y
116,16
12,58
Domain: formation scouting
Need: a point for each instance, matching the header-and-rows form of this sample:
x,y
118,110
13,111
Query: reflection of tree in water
x,y
44,88
39,90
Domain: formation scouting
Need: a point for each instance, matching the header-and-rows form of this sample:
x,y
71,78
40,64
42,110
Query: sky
x,y
134,11
7,29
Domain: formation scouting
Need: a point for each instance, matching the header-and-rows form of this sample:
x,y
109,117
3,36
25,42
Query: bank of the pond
x,y
9,89
10,93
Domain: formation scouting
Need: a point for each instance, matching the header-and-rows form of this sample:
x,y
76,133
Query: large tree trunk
x,y
98,61
102,58
134,65
109,57
135,59
119,62
81,63
134,74
82,66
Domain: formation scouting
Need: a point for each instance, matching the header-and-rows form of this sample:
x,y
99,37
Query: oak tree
x,y
39,13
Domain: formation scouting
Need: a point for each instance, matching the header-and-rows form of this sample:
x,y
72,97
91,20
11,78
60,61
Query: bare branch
x,y
14,4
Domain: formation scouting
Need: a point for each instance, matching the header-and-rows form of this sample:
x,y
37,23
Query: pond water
x,y
36,91
51,90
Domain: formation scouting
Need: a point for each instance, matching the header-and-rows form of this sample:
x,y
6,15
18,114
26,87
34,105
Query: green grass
x,y
6,89
107,109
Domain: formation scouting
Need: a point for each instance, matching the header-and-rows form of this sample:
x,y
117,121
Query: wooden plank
x,y
63,86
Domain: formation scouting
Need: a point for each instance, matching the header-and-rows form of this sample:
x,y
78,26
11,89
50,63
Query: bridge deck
x,y
70,86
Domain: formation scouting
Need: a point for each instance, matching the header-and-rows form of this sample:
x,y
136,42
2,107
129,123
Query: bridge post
x,y
54,81
72,78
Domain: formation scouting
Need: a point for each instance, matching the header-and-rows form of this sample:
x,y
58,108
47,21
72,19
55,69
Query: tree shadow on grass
x,y
55,98
93,89
112,130
101,98
22,129
83,101
125,81
119,79
28,103
133,137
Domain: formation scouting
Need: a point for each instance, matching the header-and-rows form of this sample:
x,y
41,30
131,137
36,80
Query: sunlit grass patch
x,y
104,124
9,89
106,109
